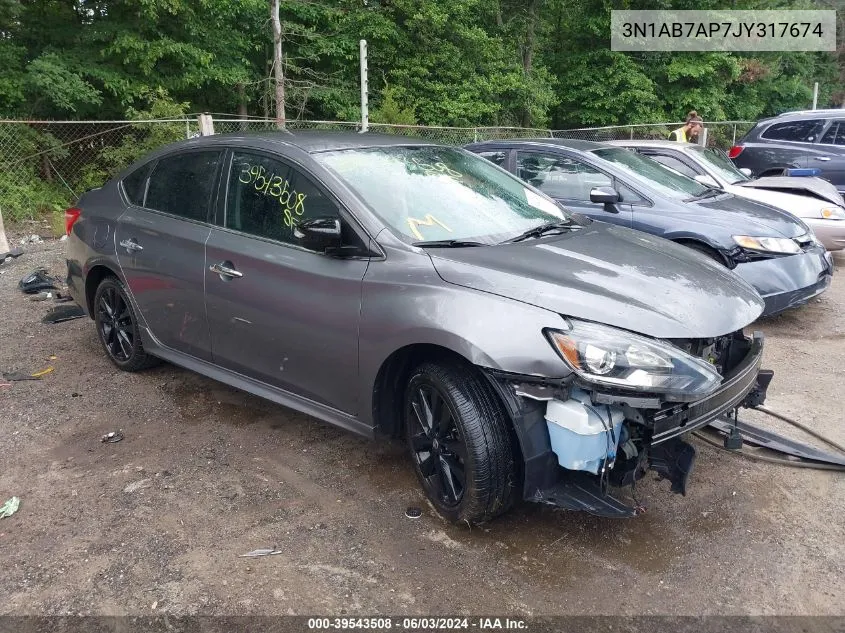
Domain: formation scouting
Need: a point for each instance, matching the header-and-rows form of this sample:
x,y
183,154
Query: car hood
x,y
611,275
798,205
809,187
743,215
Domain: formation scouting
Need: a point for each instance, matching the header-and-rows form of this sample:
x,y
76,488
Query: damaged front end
x,y
623,411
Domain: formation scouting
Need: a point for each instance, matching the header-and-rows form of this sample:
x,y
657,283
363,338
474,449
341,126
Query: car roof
x,y
312,141
651,143
571,143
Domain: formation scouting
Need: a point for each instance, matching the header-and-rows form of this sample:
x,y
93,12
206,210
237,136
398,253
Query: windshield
x,y
666,181
439,193
721,164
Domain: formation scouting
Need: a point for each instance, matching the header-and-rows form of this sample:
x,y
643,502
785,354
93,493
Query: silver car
x,y
815,201
399,288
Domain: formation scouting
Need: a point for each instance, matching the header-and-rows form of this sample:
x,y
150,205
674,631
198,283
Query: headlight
x,y
833,213
768,244
607,356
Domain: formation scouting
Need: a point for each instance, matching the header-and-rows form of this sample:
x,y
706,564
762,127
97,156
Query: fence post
x,y
365,110
206,125
702,139
4,243
632,132
733,142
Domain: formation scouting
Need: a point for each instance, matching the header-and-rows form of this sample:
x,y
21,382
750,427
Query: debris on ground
x,y
32,239
137,485
10,255
413,512
37,281
261,552
112,437
63,313
10,507
42,296
15,376
43,372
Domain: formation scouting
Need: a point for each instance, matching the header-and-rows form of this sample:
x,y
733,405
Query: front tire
x,y
117,327
459,437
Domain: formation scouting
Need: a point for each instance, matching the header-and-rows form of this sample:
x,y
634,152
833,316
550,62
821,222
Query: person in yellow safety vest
x,y
689,132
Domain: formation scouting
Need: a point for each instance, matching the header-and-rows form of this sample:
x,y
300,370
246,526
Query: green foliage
x,y
136,139
391,112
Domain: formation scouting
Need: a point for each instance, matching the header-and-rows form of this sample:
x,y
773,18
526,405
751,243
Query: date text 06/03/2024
x,y
417,624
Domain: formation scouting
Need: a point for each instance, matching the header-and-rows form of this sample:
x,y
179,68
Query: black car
x,y
772,250
805,140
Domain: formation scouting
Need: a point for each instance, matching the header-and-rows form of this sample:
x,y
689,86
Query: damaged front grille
x,y
719,351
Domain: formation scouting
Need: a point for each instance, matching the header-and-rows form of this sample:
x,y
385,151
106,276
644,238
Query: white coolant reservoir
x,y
579,431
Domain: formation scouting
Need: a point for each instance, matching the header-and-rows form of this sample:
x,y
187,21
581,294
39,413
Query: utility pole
x,y
365,111
277,64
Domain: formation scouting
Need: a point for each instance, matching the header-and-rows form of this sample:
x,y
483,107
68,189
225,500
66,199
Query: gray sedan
x,y
399,288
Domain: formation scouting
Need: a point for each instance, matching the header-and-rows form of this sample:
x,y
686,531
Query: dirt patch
x,y
206,473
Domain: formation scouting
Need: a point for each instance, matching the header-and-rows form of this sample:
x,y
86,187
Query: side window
x,y
835,135
798,131
673,163
267,197
135,184
498,157
182,184
560,176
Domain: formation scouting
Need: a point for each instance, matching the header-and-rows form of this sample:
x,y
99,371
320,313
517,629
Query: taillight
x,y
735,151
71,216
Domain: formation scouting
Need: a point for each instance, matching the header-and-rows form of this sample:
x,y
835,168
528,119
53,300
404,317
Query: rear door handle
x,y
221,269
825,158
131,245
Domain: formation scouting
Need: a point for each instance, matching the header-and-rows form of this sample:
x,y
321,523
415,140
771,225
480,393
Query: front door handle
x,y
225,271
825,158
131,245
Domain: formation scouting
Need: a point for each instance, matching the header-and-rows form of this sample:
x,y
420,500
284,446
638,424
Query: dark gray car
x,y
773,250
805,140
395,287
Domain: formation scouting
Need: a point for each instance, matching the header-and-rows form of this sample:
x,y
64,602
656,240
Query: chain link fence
x,y
721,134
44,166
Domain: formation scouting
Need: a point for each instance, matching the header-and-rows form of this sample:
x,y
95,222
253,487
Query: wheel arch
x,y
93,278
392,376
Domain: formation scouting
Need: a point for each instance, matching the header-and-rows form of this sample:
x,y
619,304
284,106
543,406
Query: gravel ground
x,y
156,523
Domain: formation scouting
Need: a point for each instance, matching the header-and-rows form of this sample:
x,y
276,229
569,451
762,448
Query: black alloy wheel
x,y
459,437
117,327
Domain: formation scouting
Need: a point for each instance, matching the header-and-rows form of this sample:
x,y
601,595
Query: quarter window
x,y
835,135
560,176
182,184
797,131
267,198
135,184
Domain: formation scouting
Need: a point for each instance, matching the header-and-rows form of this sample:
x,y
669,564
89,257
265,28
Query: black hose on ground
x,y
803,427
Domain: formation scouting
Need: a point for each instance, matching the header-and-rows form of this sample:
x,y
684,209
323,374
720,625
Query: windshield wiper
x,y
539,231
710,193
448,244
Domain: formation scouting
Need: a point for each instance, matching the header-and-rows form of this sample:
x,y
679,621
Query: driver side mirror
x,y
608,196
707,181
604,195
319,234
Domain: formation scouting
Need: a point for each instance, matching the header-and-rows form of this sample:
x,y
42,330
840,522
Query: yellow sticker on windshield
x,y
428,220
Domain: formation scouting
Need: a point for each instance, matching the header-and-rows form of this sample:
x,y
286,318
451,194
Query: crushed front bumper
x,y
791,281
659,429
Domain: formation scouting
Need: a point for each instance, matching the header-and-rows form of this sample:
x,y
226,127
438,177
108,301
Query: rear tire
x,y
459,438
117,327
